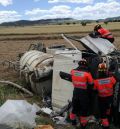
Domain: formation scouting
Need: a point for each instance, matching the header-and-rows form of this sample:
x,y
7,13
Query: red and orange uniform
x,y
80,102
105,87
105,33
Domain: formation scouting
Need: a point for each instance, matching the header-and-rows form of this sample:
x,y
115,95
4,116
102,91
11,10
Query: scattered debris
x,y
18,113
45,110
60,120
58,117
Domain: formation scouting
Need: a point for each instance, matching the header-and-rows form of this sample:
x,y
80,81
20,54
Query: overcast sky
x,y
13,10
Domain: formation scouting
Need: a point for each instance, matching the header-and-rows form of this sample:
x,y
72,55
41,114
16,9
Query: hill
x,y
113,19
37,22
56,21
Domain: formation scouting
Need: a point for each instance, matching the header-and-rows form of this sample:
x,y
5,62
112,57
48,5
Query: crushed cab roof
x,y
98,44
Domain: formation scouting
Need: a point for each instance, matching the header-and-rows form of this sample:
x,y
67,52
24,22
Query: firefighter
x,y
101,32
82,82
104,85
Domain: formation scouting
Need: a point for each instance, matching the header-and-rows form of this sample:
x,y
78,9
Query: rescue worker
x,y
82,82
101,32
104,85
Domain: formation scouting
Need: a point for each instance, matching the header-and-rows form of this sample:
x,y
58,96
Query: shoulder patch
x,y
104,81
79,73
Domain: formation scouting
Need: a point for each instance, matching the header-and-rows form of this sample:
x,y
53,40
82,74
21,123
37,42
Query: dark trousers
x,y
105,106
80,102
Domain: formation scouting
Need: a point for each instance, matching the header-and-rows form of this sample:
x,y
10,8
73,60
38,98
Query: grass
x,y
51,29
8,92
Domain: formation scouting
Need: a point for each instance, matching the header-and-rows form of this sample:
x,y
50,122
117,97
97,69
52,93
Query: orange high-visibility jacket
x,y
105,33
104,86
80,79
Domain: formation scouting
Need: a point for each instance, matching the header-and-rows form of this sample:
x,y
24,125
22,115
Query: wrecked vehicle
x,y
41,68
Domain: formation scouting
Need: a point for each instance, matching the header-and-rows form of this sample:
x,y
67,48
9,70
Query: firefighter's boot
x,y
106,127
105,123
74,122
83,121
82,127
73,119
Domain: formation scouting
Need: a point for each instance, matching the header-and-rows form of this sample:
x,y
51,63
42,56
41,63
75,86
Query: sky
x,y
13,10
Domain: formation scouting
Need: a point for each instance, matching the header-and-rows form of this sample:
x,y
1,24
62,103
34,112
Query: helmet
x,y
102,67
82,62
97,27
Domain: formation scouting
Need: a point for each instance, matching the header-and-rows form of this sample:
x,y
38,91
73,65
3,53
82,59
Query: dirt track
x,y
12,45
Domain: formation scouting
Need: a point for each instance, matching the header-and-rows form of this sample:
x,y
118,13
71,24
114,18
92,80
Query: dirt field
x,y
12,45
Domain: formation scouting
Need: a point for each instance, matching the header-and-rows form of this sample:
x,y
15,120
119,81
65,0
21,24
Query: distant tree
x,y
74,22
83,23
59,23
97,21
68,23
106,22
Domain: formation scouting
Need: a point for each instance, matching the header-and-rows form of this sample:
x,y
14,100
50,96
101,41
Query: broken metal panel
x,y
38,87
61,89
98,44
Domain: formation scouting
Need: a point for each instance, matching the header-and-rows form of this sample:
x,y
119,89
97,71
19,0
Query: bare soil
x,y
12,45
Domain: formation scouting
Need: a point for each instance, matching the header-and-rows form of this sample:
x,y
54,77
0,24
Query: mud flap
x,y
116,105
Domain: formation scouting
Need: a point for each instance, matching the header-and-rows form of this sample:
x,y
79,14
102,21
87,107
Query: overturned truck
x,y
41,69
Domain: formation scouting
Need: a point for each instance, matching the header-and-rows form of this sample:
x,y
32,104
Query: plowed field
x,y
12,45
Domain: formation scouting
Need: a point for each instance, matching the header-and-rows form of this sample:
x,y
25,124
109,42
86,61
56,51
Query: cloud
x,y
97,11
36,11
70,1
6,16
36,0
6,2
55,12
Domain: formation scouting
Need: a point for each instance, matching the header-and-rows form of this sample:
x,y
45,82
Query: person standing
x,y
104,85
82,81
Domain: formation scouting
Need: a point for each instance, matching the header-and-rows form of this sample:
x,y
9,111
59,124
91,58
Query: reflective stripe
x,y
83,120
104,81
105,122
107,34
106,92
72,116
79,73
81,85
